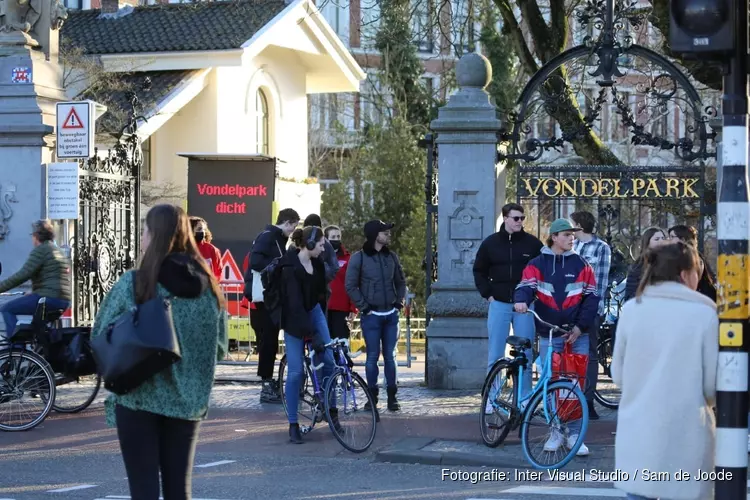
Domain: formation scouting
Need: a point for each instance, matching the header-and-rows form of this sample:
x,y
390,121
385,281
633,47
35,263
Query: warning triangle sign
x,y
72,121
230,272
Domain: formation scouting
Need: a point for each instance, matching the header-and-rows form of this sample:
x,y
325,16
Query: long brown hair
x,y
169,229
667,263
646,239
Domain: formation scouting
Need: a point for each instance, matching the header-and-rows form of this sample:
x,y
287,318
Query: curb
x,y
448,458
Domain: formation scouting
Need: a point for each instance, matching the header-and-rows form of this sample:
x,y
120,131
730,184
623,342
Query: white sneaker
x,y
554,441
583,451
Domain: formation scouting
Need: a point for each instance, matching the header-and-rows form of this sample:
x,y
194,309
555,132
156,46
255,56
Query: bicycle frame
x,y
341,364
545,376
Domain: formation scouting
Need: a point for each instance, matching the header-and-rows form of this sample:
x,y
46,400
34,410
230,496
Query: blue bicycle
x,y
344,397
554,406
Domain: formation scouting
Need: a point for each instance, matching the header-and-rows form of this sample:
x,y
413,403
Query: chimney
x,y
110,6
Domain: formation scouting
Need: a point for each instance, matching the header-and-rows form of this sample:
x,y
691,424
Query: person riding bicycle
x,y
564,287
49,271
304,291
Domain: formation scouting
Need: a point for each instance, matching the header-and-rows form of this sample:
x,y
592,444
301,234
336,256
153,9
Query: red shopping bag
x,y
573,367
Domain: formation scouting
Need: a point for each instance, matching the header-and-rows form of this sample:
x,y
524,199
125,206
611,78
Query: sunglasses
x,y
518,218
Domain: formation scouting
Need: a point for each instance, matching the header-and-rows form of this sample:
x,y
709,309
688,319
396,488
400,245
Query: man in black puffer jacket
x,y
375,282
499,263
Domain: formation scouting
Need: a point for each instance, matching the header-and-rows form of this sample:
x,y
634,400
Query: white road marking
x,y
215,464
119,497
73,488
560,491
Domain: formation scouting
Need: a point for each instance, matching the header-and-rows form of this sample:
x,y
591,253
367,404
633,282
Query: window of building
x,y
73,4
261,123
462,26
146,173
336,12
422,25
370,10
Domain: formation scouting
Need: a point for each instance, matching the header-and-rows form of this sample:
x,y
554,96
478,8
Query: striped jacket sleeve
x,y
526,289
589,307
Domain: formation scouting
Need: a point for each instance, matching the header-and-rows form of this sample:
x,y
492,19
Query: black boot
x,y
269,392
295,436
374,392
392,401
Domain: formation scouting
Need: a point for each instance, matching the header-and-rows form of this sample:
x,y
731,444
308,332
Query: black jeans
x,y
152,443
337,324
267,338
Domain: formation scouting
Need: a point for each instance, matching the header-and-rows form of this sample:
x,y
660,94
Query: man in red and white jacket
x,y
341,309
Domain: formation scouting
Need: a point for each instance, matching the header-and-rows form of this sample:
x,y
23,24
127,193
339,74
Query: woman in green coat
x,y
157,423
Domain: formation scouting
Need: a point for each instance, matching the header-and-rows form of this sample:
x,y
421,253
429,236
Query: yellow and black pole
x,y
717,30
732,214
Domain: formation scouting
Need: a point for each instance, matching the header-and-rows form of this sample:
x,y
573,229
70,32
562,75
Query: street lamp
x,y
702,27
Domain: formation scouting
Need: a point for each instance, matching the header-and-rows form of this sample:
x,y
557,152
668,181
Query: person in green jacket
x,y
158,422
49,271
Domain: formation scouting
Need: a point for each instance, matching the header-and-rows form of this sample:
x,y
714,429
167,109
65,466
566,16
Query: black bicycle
x,y
607,393
33,378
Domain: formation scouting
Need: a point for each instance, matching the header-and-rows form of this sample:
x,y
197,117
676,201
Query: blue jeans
x,y
580,346
499,319
295,361
377,331
26,305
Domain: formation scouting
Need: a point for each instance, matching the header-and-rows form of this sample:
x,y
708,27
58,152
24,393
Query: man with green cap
x,y
564,287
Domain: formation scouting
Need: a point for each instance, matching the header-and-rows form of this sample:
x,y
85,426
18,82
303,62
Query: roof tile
x,y
170,27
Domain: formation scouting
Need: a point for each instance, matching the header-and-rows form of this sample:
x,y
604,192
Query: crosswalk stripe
x,y
73,488
214,464
560,491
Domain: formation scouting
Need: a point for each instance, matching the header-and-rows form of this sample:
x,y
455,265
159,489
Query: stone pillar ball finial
x,y
473,70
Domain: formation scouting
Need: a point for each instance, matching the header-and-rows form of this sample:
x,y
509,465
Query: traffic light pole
x,y
732,377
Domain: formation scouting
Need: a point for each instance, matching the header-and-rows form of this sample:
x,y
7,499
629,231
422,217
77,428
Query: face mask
x,y
336,245
199,236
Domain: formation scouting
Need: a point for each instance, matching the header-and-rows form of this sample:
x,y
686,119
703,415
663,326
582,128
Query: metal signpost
x,y
75,129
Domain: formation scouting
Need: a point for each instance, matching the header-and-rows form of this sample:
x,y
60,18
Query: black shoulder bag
x,y
136,346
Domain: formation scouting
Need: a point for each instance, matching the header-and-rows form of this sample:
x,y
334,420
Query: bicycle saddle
x,y
518,342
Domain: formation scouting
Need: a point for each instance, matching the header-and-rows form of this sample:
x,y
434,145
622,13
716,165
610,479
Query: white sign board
x,y
75,129
62,190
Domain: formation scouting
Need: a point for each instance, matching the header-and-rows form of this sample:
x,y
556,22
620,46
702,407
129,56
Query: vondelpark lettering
x,y
229,190
610,188
228,207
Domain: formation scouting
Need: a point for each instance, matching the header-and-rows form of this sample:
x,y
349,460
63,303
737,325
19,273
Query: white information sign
x,y
62,190
75,129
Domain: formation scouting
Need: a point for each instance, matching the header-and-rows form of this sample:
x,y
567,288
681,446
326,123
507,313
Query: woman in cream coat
x,y
665,360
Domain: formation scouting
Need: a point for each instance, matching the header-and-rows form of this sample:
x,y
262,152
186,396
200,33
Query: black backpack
x,y
272,288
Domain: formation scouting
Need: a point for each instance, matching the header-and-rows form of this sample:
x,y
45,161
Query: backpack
x,y
272,288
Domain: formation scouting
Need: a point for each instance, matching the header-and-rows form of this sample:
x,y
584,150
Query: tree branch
x,y
510,24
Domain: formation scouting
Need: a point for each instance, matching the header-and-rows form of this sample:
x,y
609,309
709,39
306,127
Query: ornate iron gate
x,y
431,209
625,199
107,234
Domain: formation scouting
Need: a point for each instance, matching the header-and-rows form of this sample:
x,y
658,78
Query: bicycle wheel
x,y
309,409
499,403
606,393
75,394
346,396
543,427
27,390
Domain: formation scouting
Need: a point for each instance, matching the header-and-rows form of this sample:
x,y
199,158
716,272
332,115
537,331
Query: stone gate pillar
x,y
470,181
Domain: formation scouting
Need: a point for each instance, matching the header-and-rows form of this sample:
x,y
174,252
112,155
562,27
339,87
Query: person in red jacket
x,y
207,250
341,309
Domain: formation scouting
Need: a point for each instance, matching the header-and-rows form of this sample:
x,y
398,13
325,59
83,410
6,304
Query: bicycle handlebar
x,y
552,327
330,345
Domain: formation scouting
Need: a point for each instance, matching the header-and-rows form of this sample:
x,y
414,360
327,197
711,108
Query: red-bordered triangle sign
x,y
72,121
230,272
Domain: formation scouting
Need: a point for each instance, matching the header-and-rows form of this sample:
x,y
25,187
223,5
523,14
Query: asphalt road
x,y
243,454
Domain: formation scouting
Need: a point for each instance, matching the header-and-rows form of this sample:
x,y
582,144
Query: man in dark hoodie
x,y
375,282
268,245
